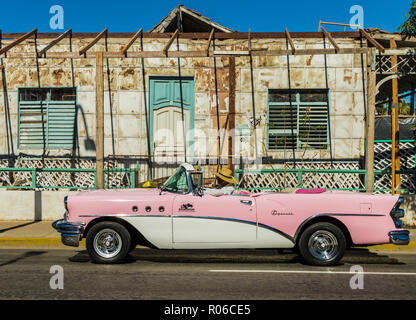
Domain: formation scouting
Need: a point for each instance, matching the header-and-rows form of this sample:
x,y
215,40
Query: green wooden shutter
x,y
45,124
61,121
32,124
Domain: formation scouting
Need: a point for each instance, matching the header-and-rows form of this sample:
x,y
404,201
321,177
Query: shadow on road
x,y
23,256
352,256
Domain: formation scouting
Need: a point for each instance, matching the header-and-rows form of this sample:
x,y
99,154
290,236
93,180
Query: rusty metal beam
x,y
167,46
93,42
131,41
372,40
249,40
211,35
17,41
292,45
54,42
332,40
198,35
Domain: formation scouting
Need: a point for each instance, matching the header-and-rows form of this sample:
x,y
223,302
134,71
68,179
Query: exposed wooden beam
x,y
372,40
395,139
370,123
332,40
99,89
231,111
17,41
167,46
94,41
211,35
54,42
187,54
131,41
292,45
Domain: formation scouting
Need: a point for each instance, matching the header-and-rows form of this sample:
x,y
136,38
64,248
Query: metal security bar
x,y
298,119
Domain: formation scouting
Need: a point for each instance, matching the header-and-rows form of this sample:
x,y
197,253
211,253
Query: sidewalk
x,y
31,234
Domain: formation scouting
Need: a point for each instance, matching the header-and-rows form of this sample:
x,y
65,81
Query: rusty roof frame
x,y
131,41
84,49
54,42
20,39
205,52
196,35
331,39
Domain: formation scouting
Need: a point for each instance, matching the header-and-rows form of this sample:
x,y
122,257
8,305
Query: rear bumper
x,y
71,233
399,237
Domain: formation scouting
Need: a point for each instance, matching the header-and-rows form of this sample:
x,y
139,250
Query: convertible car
x,y
319,224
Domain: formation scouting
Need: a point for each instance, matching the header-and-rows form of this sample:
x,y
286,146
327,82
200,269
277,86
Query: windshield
x,y
177,182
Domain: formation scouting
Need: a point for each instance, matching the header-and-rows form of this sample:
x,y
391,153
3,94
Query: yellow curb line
x,y
33,241
390,246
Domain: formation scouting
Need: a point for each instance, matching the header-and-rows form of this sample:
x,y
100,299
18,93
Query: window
x,y
297,119
46,118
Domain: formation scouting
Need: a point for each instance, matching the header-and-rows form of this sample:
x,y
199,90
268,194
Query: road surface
x,y
207,275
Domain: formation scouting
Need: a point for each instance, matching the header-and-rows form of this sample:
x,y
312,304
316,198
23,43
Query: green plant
x,y
408,28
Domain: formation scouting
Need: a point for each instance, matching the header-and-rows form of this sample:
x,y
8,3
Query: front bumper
x,y
71,232
399,237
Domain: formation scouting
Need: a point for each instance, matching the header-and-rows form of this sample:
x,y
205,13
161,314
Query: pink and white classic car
x,y
318,224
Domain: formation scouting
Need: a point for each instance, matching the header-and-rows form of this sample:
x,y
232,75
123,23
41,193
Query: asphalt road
x,y
207,275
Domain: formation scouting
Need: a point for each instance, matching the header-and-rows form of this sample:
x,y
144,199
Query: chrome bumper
x,y
71,233
399,237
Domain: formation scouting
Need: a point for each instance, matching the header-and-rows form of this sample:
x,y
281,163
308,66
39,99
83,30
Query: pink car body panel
x,y
365,216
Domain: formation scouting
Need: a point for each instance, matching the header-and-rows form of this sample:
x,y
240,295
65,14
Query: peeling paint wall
x,y
125,129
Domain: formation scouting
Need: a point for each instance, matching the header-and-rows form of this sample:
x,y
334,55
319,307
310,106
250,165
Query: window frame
x,y
296,104
47,102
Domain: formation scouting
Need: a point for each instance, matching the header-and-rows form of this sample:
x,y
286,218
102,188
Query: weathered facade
x,y
308,109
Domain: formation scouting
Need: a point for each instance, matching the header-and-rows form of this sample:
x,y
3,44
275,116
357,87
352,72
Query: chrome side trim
x,y
123,215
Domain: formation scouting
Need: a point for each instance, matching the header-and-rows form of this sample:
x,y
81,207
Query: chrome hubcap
x,y
107,243
323,245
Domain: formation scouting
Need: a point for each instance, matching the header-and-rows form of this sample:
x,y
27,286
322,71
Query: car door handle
x,y
246,202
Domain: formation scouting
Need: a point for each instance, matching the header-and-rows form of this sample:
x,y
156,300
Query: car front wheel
x,y
108,242
322,244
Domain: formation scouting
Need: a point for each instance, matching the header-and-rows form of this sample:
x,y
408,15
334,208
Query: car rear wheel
x,y
108,242
322,244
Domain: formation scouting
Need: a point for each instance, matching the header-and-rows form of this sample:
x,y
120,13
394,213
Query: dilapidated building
x,y
187,90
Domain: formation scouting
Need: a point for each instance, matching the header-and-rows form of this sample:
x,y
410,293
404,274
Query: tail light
x,y
398,213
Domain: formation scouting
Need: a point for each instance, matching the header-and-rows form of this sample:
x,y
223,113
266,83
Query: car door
x,y
209,221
